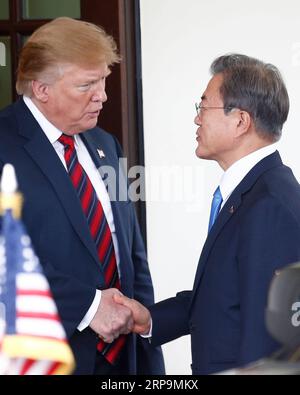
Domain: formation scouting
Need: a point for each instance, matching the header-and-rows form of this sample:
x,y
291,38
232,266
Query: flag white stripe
x,y
32,281
4,364
15,366
35,304
40,367
40,327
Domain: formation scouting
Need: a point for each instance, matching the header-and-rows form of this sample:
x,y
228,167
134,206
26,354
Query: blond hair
x,y
63,41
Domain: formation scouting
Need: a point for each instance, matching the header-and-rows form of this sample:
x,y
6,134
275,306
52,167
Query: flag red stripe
x,y
52,368
33,292
26,366
53,317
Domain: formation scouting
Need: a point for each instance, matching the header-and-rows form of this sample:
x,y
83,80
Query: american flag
x,y
32,338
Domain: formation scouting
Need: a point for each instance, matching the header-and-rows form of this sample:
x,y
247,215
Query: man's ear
x,y
40,91
243,122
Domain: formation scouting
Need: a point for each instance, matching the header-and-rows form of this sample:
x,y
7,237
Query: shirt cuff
x,y
149,334
91,312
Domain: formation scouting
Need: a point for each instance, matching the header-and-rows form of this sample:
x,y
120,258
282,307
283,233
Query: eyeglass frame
x,y
199,107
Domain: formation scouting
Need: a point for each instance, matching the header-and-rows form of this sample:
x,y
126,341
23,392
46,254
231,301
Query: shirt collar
x,y
236,172
48,128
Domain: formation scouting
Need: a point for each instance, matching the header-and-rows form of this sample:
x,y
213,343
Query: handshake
x,y
117,314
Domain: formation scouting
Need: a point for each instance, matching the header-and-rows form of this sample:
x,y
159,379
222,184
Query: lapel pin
x,y
101,153
231,210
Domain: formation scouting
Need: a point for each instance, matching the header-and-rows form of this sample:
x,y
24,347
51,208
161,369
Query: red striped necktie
x,y
100,232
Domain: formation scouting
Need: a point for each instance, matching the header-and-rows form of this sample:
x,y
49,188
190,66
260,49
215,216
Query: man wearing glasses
x,y
254,226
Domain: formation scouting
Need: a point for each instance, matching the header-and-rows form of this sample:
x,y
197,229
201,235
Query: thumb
x,y
121,299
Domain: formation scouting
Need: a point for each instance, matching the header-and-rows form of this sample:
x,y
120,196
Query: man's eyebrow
x,y
93,78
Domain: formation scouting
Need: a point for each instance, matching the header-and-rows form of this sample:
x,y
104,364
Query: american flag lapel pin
x,y
231,210
101,153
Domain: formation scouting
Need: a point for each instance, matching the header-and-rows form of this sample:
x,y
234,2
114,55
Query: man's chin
x,y
202,155
198,153
91,124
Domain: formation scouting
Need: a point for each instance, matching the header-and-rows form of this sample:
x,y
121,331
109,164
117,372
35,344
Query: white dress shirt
x,y
90,168
236,172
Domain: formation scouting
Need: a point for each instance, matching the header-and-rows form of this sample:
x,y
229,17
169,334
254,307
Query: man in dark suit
x,y
254,225
88,241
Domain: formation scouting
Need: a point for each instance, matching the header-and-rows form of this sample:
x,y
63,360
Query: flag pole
x,y
10,198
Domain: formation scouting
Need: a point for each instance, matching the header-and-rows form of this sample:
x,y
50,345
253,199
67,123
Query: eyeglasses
x,y
200,108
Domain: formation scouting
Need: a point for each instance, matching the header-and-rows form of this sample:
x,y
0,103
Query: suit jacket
x,y
256,232
55,221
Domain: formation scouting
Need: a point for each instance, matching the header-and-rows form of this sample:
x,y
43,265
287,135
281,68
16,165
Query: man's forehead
x,y
213,88
87,71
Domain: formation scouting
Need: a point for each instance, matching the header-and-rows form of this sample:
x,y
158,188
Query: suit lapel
x,y
41,151
230,208
224,216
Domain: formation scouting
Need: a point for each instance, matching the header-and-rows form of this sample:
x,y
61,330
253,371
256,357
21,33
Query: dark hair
x,y
256,87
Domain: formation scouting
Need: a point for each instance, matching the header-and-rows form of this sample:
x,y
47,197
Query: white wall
x,y
180,39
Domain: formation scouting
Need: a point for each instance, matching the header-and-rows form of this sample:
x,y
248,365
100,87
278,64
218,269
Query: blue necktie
x,y
215,207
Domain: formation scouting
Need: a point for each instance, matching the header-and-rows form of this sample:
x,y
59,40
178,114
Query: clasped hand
x,y
117,314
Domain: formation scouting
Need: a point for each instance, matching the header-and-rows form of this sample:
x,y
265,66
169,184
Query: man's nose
x,y
99,94
197,120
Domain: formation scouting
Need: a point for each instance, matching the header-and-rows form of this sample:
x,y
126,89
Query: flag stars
x,y
31,261
2,264
29,266
28,253
25,240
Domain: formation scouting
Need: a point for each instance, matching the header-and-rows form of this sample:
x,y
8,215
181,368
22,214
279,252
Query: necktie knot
x,y
215,207
218,195
67,141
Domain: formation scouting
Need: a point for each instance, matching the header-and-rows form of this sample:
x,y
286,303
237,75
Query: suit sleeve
x,y
269,239
73,298
171,318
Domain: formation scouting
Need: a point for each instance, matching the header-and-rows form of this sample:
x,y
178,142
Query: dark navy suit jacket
x,y
55,221
256,232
